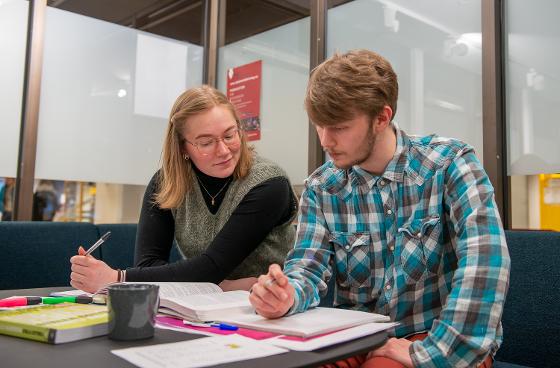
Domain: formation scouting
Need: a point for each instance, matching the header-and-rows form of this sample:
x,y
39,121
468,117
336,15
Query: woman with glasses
x,y
229,210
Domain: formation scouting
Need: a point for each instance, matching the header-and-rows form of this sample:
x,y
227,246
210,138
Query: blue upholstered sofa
x,y
36,254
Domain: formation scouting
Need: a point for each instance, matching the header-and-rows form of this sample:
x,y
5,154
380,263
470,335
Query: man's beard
x,y
365,150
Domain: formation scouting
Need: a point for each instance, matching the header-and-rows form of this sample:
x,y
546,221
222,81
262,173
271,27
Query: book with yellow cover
x,y
55,324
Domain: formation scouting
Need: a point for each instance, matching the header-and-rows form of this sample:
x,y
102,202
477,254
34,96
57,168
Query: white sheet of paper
x,y
73,292
332,338
203,352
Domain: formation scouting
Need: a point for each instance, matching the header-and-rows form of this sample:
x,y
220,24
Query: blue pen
x,y
221,326
225,327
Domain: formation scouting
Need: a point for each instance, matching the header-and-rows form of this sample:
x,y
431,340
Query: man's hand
x,y
89,274
396,349
272,296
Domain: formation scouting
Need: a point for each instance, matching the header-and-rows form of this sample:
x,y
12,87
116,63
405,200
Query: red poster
x,y
244,92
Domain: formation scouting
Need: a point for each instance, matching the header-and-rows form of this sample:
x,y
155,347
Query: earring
x,y
186,157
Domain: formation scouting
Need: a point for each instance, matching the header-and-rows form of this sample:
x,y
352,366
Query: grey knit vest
x,y
196,227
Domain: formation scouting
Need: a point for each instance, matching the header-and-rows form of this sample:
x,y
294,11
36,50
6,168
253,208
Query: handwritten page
x,y
203,352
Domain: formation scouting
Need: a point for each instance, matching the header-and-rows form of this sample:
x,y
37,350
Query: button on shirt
x,y
423,244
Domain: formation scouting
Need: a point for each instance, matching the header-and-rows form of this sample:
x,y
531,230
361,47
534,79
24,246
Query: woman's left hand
x,y
238,284
90,274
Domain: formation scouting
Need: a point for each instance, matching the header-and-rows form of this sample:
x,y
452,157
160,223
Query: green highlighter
x,y
81,299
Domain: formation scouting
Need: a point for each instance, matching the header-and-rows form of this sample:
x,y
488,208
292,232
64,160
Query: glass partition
x,y
13,38
532,107
435,49
533,87
105,99
284,52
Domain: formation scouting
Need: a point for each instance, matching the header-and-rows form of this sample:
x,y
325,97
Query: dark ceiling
x,y
183,19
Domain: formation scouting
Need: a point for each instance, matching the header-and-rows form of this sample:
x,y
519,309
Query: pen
x,y
98,243
19,301
270,282
221,326
81,299
224,326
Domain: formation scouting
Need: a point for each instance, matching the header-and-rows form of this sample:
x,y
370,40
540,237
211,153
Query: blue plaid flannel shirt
x,y
422,243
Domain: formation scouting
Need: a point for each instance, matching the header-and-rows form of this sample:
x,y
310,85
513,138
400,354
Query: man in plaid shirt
x,y
407,225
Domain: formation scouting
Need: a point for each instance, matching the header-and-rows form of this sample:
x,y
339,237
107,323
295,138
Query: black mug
x,y
132,311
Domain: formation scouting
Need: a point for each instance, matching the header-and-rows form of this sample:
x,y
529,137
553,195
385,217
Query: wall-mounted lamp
x,y
463,44
453,47
534,80
390,18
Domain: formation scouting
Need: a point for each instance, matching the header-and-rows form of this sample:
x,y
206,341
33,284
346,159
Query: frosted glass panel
x,y
435,49
533,86
13,30
284,52
106,94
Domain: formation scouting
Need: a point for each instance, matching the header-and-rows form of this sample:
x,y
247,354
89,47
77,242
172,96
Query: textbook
x,y
55,323
193,301
313,322
201,301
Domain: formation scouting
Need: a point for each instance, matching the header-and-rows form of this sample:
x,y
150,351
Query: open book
x,y
201,301
193,301
55,324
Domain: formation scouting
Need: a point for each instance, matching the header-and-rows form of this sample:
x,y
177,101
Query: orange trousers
x,y
359,361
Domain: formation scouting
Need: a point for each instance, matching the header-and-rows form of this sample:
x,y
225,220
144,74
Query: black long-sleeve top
x,y
265,206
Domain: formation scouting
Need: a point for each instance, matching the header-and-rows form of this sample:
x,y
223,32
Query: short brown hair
x,y
176,176
359,81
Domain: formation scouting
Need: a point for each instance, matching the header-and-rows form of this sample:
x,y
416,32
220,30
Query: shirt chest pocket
x,y
421,248
353,258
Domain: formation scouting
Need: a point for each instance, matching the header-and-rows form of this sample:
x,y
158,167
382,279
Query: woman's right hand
x,y
90,274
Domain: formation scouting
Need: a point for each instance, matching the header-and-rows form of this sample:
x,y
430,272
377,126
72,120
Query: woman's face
x,y
213,141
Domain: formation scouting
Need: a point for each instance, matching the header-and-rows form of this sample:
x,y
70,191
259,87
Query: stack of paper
x,y
313,322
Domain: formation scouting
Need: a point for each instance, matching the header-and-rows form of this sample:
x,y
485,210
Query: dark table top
x,y
96,352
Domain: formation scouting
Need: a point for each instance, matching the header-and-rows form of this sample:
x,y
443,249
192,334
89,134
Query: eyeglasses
x,y
207,146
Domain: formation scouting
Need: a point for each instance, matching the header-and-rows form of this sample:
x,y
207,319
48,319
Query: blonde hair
x,y
176,176
359,81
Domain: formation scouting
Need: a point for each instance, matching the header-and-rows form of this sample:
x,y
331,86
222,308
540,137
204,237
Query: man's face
x,y
350,142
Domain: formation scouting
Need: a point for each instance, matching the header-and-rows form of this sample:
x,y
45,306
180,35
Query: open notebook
x,y
313,322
